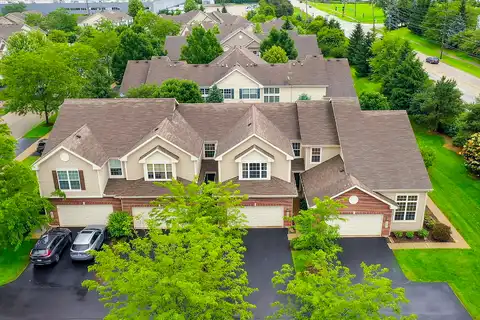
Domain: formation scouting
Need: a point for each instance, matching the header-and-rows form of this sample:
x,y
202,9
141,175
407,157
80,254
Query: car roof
x,y
84,236
100,227
45,240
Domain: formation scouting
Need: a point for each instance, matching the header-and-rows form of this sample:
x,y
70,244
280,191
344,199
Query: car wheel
x,y
57,258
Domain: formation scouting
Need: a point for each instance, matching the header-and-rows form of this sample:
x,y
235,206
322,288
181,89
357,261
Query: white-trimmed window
x,y
316,155
204,92
209,150
159,171
407,207
296,149
271,94
69,180
250,93
228,93
115,167
255,170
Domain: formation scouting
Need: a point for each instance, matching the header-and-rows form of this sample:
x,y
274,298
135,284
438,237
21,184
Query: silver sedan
x,y
90,238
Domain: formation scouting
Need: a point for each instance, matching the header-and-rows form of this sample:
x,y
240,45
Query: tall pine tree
x,y
417,15
364,54
356,41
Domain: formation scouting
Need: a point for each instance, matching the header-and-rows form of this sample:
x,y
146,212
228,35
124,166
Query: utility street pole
x,y
444,29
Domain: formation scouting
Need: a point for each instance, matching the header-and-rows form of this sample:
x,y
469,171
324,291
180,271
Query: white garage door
x,y
264,216
361,225
80,216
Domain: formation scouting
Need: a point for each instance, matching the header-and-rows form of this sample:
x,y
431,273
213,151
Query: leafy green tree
x,y
469,123
404,80
20,200
258,28
315,26
371,100
132,46
363,56
14,7
190,5
386,56
287,25
355,44
304,97
283,8
471,154
266,9
99,83
104,40
185,91
60,19
417,15
275,55
315,227
443,104
33,19
202,46
39,81
58,36
144,91
333,42
327,291
26,42
156,26
428,155
215,95
134,7
281,39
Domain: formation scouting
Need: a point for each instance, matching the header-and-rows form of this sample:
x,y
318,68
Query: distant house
x,y
6,31
118,18
15,18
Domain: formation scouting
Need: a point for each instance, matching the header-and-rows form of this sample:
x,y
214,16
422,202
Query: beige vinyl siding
x,y
241,39
327,153
201,16
409,225
229,168
53,163
291,94
104,175
184,167
238,81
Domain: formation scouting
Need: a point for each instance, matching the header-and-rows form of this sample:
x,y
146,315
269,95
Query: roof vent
x,y
342,170
146,61
272,64
248,125
78,136
254,64
136,61
293,63
301,63
315,56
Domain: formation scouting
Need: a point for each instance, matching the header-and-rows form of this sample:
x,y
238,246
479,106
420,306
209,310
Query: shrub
x,y
120,224
441,232
423,233
471,154
398,234
410,234
429,222
428,155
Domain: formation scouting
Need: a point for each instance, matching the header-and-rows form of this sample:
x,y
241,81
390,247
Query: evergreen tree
x,y
202,46
404,80
135,6
392,18
275,55
463,12
258,28
224,9
281,39
287,25
469,123
355,44
363,55
215,95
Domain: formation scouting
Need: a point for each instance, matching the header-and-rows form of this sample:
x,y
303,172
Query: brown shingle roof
x,y
317,125
272,187
341,81
161,149
7,30
254,123
136,188
181,18
173,46
379,147
298,165
239,55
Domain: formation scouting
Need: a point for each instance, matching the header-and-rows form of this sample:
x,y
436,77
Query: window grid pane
x,y
316,154
271,95
296,149
407,207
209,150
254,170
69,180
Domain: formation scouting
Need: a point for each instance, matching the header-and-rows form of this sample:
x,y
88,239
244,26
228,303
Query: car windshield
x,y
44,241
79,247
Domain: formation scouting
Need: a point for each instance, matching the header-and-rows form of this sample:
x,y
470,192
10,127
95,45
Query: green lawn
x,y
453,58
12,263
363,84
30,160
41,129
458,196
364,12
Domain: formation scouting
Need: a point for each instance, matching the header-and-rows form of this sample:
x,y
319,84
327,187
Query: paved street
x,y
19,125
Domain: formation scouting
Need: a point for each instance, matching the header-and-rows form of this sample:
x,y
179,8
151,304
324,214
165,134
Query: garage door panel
x,y
268,216
361,225
83,215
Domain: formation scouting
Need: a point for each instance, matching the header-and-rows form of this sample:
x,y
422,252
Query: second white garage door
x,y
264,216
361,225
80,216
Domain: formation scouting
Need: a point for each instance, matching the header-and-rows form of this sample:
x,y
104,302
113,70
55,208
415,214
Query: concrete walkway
x,y
459,242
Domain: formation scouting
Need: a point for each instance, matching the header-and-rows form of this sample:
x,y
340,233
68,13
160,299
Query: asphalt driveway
x,y
429,301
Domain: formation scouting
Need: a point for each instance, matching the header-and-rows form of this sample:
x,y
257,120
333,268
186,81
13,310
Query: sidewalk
x,y
459,242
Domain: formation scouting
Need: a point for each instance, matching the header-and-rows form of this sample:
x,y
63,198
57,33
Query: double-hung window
x,y
407,207
316,155
254,170
228,94
251,93
209,150
68,179
204,92
271,94
159,171
115,166
296,149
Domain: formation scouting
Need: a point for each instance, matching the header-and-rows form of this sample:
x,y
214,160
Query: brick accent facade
x,y
127,204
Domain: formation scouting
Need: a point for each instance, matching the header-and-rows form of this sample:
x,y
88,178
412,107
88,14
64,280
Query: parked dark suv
x,y
41,146
50,246
432,60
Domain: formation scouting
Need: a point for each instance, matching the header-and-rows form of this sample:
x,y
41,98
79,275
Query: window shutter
x,y
233,93
258,93
55,180
82,179
241,96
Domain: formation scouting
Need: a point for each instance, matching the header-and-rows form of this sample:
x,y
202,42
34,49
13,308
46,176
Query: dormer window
x,y
296,149
209,150
160,171
115,167
255,170
159,164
